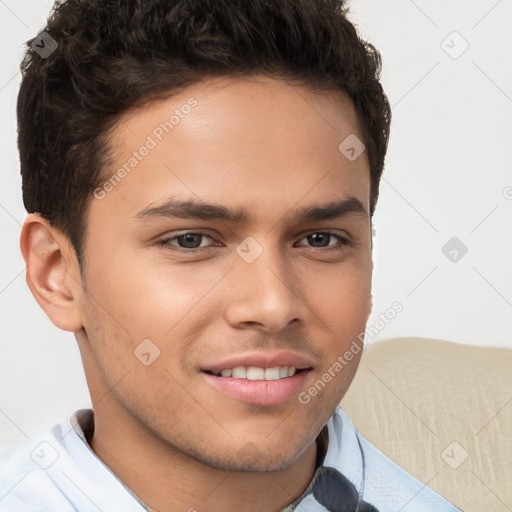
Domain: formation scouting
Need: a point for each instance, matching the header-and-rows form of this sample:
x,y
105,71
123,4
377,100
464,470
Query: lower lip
x,y
260,392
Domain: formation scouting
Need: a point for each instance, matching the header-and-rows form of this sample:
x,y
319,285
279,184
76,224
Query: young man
x,y
200,178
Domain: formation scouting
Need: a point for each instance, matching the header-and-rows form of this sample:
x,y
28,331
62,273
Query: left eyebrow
x,y
193,209
333,210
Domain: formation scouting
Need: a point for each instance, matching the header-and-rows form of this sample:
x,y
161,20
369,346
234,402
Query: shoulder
x,y
380,481
56,470
26,478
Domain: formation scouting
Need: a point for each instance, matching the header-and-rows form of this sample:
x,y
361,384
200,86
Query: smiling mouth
x,y
255,373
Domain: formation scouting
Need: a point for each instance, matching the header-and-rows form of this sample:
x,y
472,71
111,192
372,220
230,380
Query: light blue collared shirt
x,y
56,470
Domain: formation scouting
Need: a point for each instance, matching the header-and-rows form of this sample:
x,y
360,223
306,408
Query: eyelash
x,y
164,243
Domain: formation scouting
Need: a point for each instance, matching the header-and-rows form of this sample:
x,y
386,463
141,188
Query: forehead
x,y
258,143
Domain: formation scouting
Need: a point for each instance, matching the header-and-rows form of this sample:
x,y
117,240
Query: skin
x,y
263,145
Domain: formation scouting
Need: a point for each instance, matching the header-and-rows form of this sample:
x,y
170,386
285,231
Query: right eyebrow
x,y
192,209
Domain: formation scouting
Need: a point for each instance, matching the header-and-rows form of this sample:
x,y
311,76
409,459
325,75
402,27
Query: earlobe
x,y
51,272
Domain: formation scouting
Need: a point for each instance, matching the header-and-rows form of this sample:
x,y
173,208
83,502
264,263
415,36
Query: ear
x,y
52,272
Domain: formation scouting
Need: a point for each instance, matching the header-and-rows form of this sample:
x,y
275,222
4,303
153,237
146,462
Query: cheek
x,y
344,306
343,299
148,299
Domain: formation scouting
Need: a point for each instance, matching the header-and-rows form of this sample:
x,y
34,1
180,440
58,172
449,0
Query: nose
x,y
262,293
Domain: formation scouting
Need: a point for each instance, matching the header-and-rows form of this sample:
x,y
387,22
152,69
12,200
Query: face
x,y
228,270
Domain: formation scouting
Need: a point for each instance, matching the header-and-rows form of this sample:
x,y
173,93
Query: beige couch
x,y
443,412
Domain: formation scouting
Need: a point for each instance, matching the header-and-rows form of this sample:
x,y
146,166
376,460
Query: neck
x,y
166,480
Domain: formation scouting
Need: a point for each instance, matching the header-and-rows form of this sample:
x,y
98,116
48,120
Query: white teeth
x,y
272,373
240,372
258,373
255,373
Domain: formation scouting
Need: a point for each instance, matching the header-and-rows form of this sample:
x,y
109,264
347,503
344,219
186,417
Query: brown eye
x,y
322,239
187,241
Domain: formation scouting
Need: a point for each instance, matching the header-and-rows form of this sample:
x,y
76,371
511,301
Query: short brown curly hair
x,y
117,54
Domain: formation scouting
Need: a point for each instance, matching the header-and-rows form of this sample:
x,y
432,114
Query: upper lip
x,y
262,360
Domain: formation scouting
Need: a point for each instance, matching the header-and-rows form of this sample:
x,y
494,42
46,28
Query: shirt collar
x,y
83,424
337,447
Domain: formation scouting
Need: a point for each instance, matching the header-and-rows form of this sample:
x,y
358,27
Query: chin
x,y
259,463
250,458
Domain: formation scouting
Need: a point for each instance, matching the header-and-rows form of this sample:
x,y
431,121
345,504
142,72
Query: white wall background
x,y
448,174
